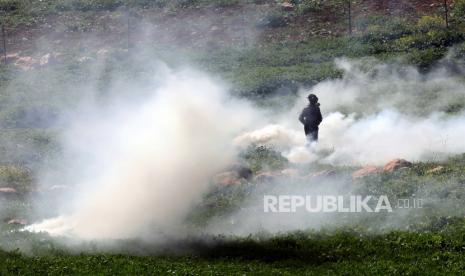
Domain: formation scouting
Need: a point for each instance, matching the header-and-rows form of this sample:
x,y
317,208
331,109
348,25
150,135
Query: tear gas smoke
x,y
374,115
140,167
136,167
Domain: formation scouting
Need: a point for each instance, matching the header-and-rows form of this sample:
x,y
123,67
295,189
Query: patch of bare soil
x,y
195,27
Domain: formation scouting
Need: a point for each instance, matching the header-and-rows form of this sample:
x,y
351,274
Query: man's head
x,y
312,98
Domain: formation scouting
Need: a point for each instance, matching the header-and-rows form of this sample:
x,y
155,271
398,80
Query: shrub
x,y
15,177
9,5
432,38
224,3
28,117
148,3
185,3
88,5
372,22
458,10
262,157
425,58
459,51
274,20
427,23
384,32
310,6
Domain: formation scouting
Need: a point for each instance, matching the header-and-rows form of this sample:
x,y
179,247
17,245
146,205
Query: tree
x,y
349,6
446,13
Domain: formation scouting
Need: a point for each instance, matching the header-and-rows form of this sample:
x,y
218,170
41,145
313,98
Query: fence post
x,y
244,35
4,43
446,12
350,16
129,28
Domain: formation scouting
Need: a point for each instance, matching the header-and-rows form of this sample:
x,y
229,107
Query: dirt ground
x,y
195,27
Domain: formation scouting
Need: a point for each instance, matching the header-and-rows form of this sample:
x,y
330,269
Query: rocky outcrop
x,y
27,63
391,166
286,6
324,173
367,170
268,176
292,173
235,175
17,222
7,191
397,164
227,178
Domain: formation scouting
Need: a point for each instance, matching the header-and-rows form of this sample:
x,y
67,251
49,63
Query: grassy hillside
x,y
297,254
59,52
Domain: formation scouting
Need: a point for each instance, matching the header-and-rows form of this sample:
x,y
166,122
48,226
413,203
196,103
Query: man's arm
x,y
302,117
319,117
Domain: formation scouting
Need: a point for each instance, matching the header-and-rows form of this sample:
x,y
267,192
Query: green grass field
x,y
430,240
341,254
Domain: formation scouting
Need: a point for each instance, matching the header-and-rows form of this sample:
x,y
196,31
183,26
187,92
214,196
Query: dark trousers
x,y
311,132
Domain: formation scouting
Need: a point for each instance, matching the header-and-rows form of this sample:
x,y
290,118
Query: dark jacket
x,y
311,116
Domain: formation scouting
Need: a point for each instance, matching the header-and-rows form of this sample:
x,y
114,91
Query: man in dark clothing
x,y
311,118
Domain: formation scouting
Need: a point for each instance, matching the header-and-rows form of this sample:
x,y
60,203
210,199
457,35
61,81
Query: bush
x,y
28,117
384,32
185,3
432,38
427,23
15,177
88,5
458,10
459,51
310,6
274,20
424,59
263,158
9,5
148,3
373,22
224,3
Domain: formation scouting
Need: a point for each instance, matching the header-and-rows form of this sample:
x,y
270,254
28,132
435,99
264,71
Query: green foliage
x,y
433,242
279,68
458,11
27,11
224,3
427,23
425,42
275,19
458,51
315,6
15,177
380,34
145,4
9,5
342,252
424,59
262,158
88,5
310,6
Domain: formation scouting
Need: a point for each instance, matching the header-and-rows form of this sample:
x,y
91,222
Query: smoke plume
x,y
137,168
375,113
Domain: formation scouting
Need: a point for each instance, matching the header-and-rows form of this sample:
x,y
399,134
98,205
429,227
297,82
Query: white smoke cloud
x,y
137,168
374,115
142,165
